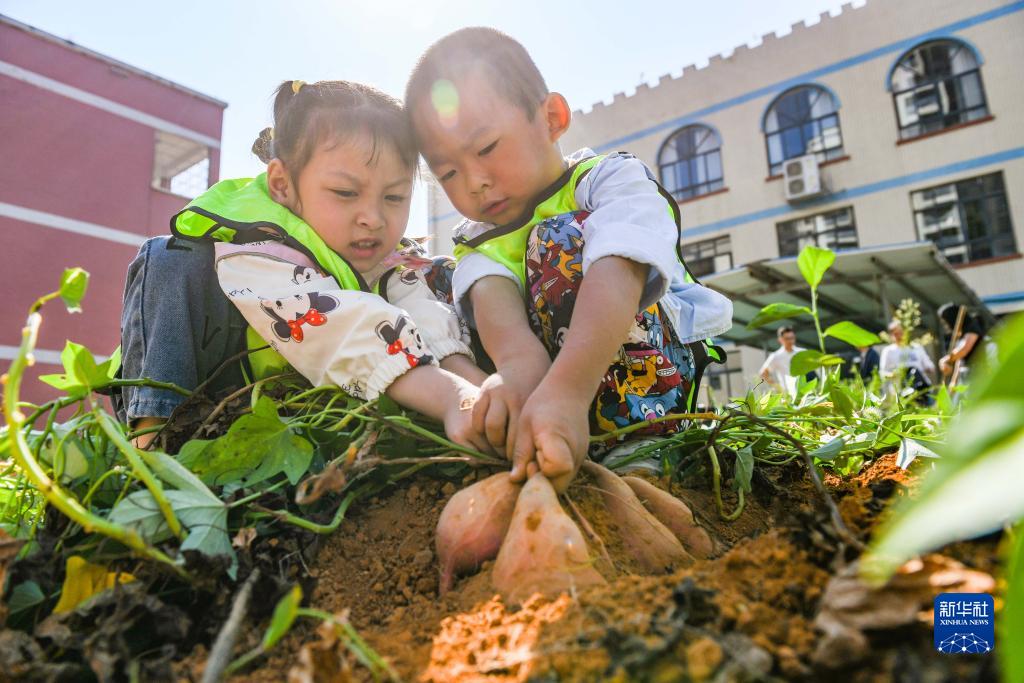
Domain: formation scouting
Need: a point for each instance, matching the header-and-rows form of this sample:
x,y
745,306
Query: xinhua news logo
x,y
964,623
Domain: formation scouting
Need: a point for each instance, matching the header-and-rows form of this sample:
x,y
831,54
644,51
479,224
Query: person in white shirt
x,y
919,367
775,370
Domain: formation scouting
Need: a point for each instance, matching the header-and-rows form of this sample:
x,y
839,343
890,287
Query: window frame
x,y
963,116
989,238
824,155
714,242
694,189
817,235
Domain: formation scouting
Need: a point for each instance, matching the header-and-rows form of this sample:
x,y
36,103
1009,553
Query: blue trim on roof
x,y
1004,298
809,84
900,45
956,39
859,191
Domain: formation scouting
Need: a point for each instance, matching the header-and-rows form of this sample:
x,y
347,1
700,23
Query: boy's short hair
x,y
784,329
512,71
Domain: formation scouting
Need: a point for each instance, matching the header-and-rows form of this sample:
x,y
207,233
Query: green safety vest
x,y
506,244
242,211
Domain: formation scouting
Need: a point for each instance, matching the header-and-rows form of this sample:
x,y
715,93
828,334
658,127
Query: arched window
x,y
937,85
690,162
803,120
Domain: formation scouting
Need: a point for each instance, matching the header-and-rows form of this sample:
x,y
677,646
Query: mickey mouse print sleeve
x,y
330,335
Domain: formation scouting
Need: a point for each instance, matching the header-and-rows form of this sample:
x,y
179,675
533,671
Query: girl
x,y
311,259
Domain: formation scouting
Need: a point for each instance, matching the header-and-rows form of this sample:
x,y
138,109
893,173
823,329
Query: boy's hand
x,y
552,435
502,396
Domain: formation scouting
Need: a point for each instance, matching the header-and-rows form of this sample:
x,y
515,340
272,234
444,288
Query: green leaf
x,y
110,366
73,284
810,360
256,447
174,473
830,450
960,499
841,401
1011,626
205,517
853,334
284,615
744,468
25,596
775,312
910,449
813,262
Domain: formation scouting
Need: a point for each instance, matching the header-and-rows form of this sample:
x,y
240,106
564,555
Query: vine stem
x,y
143,473
629,429
716,481
22,453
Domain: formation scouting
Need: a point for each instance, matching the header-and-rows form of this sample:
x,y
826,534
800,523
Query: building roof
x,y
863,285
71,45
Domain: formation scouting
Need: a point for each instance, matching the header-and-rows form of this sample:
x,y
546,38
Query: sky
x,y
238,51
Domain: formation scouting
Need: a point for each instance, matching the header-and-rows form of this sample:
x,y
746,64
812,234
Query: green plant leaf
x,y
25,596
205,517
810,360
830,450
841,401
853,334
174,473
1011,626
256,447
73,284
284,616
813,262
775,312
909,451
744,468
110,366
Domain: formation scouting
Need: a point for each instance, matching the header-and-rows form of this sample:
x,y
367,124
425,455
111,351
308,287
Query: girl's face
x,y
359,209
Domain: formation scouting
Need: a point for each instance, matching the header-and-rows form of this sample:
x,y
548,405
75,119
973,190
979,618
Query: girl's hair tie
x,y
297,86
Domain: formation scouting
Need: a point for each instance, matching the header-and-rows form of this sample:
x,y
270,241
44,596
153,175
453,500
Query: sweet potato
x,y
472,526
674,514
647,539
544,551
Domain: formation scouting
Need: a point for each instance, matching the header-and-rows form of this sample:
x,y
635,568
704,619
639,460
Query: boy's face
x,y
359,209
490,158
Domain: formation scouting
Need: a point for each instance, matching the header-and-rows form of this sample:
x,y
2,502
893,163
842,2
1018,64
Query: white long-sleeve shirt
x,y
628,218
360,341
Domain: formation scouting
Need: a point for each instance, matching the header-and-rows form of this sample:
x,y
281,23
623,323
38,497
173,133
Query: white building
x,y
914,110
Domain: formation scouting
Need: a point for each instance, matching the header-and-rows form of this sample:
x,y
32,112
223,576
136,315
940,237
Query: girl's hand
x,y
458,418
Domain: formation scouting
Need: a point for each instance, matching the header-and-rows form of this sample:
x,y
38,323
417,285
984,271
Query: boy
x,y
589,242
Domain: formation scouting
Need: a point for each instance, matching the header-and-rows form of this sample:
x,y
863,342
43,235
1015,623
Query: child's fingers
x,y
532,468
524,451
496,424
512,428
483,401
556,461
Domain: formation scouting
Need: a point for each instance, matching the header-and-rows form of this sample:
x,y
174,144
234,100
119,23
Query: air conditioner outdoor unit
x,y
802,178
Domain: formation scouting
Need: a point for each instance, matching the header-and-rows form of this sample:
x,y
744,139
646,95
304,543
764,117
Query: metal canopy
x,y
863,285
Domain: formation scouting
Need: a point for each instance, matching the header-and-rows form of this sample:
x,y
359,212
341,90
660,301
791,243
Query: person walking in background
x,y
867,362
775,370
910,358
971,334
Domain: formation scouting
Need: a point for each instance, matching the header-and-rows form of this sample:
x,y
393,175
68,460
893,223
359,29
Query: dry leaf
x,y
82,580
9,548
326,660
244,538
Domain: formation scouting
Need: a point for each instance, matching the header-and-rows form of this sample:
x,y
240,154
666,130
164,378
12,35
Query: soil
x,y
747,613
